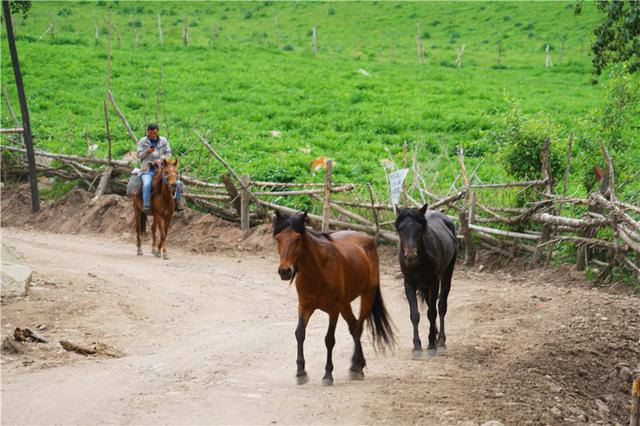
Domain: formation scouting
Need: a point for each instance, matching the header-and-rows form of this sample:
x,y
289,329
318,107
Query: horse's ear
x,y
277,212
399,210
175,162
303,217
164,162
423,209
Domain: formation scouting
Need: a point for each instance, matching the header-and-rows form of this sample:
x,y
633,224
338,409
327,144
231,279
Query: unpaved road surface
x,y
210,339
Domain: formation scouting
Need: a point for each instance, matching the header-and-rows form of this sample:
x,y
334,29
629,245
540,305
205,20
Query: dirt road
x,y
209,339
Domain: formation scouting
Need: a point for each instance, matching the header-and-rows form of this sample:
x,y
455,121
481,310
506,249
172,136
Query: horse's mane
x,y
296,223
410,213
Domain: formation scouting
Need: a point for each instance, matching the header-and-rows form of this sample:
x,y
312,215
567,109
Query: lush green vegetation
x,y
259,75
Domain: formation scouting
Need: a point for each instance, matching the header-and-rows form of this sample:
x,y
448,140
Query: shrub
x,y
522,142
332,11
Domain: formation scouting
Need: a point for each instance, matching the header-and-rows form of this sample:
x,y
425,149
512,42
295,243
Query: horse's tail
x,y
379,324
143,223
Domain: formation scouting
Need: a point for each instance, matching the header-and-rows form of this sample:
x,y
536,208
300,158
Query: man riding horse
x,y
152,150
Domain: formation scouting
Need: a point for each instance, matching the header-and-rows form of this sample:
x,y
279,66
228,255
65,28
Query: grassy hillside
x,y
250,81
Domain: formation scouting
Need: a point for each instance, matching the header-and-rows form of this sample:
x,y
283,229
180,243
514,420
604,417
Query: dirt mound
x,y
78,213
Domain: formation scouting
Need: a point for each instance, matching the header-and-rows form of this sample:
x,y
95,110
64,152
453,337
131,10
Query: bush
x,y
522,142
332,11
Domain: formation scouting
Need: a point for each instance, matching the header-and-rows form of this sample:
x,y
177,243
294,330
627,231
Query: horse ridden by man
x,y
161,190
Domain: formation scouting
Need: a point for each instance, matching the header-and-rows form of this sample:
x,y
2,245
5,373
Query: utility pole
x,y
24,109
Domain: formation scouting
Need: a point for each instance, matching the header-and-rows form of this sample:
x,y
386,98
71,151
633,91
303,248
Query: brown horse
x,y
331,271
163,190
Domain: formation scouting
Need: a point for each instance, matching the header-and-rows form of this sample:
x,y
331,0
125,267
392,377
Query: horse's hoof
x,y
157,254
165,256
327,381
356,375
417,355
302,379
432,352
140,253
442,349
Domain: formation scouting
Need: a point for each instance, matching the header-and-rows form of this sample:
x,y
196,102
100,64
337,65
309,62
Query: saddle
x,y
134,186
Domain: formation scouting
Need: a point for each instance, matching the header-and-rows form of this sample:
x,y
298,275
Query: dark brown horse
x,y
163,204
427,255
330,271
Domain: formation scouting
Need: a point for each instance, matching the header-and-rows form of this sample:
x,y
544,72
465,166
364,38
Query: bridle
x,y
166,176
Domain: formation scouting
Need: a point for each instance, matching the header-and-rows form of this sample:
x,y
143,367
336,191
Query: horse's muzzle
x,y
285,273
411,261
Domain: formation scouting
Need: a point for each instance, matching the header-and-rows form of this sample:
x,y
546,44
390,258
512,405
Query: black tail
x,y
379,325
143,223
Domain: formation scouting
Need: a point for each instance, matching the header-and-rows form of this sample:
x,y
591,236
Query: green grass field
x,y
259,75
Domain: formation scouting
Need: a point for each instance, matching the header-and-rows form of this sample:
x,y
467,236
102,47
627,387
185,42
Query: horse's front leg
x,y
304,314
330,341
154,248
414,314
138,222
432,313
165,251
163,239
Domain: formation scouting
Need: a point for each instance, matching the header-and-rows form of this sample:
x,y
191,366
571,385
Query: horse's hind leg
x,y
355,328
330,341
445,286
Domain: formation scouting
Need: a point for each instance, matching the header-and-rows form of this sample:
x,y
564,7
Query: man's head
x,y
153,131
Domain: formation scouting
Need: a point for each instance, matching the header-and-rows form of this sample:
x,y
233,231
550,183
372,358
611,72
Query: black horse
x,y
428,252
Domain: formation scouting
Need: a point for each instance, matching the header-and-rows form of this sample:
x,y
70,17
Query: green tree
x,y
618,37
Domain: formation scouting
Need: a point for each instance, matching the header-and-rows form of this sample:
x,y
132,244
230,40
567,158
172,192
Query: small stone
x,y
625,374
602,407
581,418
493,423
577,412
555,411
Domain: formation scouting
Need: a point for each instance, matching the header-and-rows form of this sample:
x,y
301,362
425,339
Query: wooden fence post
x,y
546,175
419,47
214,33
24,109
375,212
459,53
314,41
326,208
547,59
277,35
185,32
244,203
470,207
160,31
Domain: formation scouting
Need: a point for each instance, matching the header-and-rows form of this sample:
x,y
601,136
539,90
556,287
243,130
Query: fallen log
x,y
337,223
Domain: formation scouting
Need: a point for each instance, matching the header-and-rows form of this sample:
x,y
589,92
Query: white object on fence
x,y
364,72
396,179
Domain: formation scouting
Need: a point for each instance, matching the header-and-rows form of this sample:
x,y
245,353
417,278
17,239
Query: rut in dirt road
x,y
210,339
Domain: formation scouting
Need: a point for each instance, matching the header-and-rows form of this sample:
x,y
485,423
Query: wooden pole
x,y
107,86
567,170
326,208
185,32
546,175
24,108
214,33
459,53
244,203
95,22
160,33
375,212
314,42
132,135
